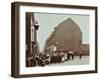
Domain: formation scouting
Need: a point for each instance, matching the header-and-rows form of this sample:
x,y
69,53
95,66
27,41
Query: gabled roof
x,y
66,33
68,24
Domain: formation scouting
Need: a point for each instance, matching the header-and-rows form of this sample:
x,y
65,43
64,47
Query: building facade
x,y
67,36
32,45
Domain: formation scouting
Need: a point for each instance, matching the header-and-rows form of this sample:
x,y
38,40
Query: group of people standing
x,y
71,55
46,59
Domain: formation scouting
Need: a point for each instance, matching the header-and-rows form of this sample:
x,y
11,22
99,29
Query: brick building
x,y
66,36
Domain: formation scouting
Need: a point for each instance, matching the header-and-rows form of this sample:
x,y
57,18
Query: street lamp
x,y
36,26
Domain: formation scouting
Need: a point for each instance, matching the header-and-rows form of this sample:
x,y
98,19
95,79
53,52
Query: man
x,y
80,55
71,54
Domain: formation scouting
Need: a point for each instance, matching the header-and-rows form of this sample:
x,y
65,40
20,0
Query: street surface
x,y
84,60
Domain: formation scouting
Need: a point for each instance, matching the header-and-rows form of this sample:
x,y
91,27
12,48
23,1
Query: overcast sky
x,y
48,21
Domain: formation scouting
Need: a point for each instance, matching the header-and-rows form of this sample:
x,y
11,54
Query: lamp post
x,y
36,26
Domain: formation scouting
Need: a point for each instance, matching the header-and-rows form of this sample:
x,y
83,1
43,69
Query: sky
x,y
47,22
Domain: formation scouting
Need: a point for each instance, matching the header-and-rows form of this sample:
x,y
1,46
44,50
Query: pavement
x,y
83,61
